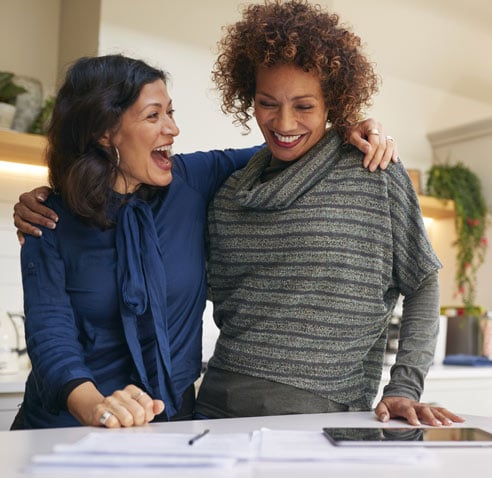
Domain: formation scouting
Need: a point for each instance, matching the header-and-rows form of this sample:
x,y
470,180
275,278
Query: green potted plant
x,y
8,96
459,183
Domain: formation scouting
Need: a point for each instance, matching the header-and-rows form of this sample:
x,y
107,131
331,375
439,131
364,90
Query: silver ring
x,y
139,395
104,417
390,138
373,131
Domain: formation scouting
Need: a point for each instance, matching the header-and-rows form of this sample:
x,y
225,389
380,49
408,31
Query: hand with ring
x,y
128,407
368,136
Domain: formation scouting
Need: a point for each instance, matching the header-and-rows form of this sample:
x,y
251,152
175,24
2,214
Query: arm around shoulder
x,y
30,210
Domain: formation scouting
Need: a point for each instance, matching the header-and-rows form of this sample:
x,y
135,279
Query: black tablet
x,y
442,436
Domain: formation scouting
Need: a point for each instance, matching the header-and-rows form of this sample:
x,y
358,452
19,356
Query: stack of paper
x,y
143,450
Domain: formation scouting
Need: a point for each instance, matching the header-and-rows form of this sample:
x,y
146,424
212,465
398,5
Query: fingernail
x,y
41,197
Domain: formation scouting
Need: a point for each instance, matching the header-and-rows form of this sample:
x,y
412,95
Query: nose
x,y
169,126
285,120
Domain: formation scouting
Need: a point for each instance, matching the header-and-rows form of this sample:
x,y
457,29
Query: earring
x,y
117,155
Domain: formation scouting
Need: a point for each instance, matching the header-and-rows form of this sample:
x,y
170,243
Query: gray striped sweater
x,y
305,270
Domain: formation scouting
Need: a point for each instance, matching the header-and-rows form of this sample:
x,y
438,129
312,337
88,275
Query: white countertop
x,y
16,449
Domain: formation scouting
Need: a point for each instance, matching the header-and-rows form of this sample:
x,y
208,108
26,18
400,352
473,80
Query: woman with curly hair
x,y
308,251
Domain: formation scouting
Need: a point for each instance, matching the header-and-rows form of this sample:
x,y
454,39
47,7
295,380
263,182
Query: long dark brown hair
x,y
95,94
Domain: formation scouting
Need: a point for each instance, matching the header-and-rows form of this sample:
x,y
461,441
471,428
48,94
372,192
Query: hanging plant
x,y
458,183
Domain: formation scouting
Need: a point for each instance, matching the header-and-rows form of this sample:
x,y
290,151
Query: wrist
x,y
82,401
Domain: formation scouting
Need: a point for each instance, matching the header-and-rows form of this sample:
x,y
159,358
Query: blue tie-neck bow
x,y
142,282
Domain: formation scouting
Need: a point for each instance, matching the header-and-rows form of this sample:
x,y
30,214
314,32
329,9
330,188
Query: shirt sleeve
x,y
205,171
51,329
418,335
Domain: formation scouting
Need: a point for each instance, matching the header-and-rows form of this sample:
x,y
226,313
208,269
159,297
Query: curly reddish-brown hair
x,y
299,33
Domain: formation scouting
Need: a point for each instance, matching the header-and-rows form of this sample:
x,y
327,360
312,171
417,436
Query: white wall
x,y
29,37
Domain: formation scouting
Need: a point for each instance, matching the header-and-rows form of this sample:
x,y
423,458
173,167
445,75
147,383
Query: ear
x,y
105,140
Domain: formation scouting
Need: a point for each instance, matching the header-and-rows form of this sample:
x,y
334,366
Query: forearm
x,y
418,336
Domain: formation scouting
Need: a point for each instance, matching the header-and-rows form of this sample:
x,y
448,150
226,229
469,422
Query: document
x,y
143,450
99,451
230,445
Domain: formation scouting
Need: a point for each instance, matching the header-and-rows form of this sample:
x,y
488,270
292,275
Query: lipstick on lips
x,y
285,141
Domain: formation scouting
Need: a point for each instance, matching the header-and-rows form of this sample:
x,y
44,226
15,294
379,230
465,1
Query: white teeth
x,y
287,139
163,148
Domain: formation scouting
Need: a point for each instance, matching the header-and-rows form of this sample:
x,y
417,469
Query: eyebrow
x,y
300,97
157,104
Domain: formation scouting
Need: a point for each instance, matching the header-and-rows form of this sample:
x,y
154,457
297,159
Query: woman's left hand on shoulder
x,y
368,136
416,413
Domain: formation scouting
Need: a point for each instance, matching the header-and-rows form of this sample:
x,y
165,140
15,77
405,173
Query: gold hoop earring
x,y
117,155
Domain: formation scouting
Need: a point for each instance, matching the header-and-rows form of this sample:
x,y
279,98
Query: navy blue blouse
x,y
122,305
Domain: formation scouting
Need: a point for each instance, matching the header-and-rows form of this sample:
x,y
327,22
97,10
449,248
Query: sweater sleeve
x,y
413,255
51,330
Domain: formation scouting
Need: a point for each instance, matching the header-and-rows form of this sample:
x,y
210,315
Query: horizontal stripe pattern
x,y
305,269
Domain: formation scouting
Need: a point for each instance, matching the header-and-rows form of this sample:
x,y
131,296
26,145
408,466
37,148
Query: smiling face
x,y
290,110
144,138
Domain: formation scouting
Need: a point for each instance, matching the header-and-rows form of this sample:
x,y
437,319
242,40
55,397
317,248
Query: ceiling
x,y
443,44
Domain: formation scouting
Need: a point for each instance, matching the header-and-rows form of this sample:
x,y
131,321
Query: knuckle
x,y
139,417
118,394
110,401
126,420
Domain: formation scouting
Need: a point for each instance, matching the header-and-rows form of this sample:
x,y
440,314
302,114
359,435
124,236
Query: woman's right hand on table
x,y
123,408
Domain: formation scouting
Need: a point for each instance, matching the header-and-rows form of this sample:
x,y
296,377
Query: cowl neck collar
x,y
281,191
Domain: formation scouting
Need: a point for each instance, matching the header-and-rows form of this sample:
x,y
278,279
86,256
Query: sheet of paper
x,y
83,460
229,445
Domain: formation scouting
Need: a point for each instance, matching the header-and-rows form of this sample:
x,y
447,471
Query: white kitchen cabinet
x,y
11,393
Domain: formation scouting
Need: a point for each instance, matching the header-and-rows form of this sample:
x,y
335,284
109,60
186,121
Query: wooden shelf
x,y
22,147
436,208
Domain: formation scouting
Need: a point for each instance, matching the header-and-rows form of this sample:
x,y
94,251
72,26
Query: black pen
x,y
197,437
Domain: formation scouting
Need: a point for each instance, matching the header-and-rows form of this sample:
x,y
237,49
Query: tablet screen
x,y
445,436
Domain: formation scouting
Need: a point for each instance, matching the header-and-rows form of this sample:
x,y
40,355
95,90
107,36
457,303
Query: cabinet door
x,y
9,405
